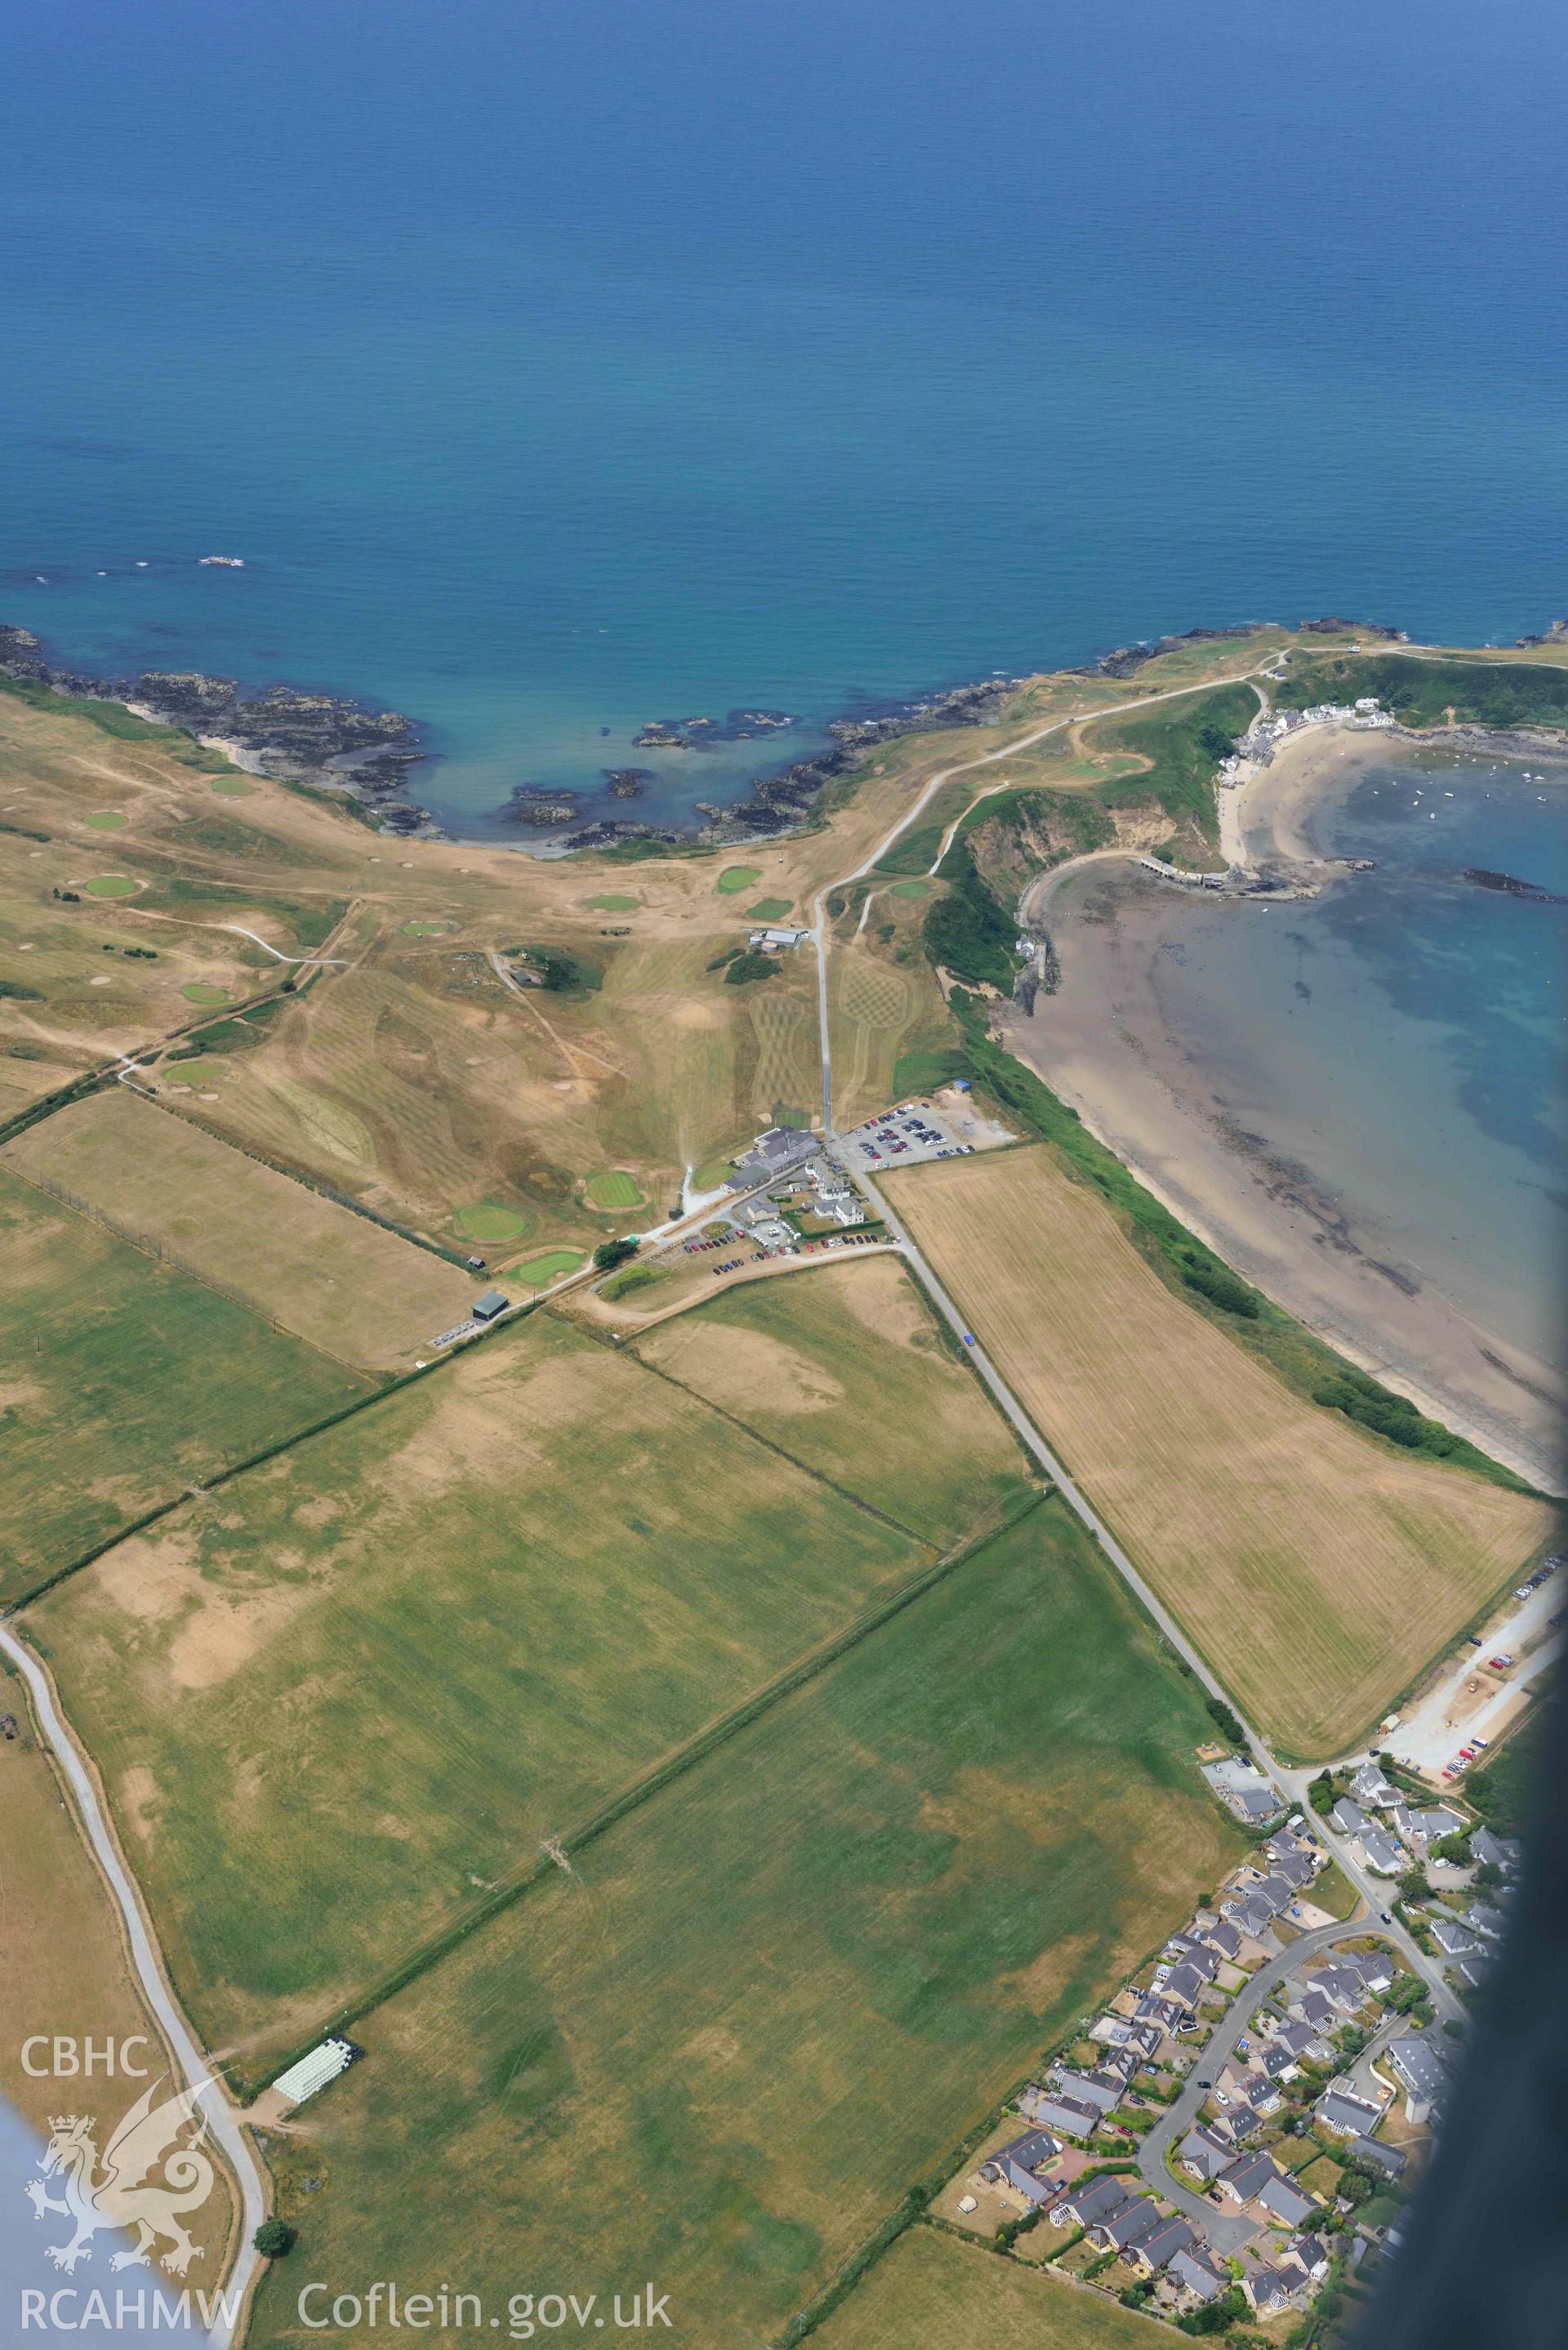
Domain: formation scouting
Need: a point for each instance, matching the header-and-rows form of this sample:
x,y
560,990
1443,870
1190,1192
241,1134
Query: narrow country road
x,y
1293,1782
212,2097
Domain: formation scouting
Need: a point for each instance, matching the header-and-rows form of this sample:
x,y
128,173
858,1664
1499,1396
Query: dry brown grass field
x,y
340,1699
1317,1568
930,2291
359,1293
76,1984
822,1364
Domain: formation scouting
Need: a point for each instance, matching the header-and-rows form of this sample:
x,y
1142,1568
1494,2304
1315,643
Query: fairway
x,y
930,2292
333,1277
850,1371
123,1383
1317,1569
371,1676
719,2054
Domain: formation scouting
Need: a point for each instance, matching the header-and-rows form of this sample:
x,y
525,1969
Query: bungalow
x,y
1377,1850
1473,1971
1202,2154
1296,1868
1418,2064
1090,2204
1389,2159
1242,2181
1278,2063
1370,1786
1072,2115
1343,2115
1286,2202
1497,1852
1185,1983
1126,2226
1312,2254
1309,2006
1239,2121
1088,2088
1450,1937
1482,1918
1223,1939
1199,2276
1156,2250
1341,1987
1017,2165
1423,1829
1271,2291
1301,2042
1375,1968
1254,1915
1348,1817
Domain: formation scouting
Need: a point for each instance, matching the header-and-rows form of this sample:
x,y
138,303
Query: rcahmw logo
x,y
150,2176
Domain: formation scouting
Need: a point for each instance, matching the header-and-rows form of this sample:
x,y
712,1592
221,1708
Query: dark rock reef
x,y
312,738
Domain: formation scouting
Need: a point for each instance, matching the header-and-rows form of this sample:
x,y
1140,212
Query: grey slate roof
x,y
1198,2273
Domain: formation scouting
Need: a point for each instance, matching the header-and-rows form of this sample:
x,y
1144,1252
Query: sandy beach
x,y
1176,1112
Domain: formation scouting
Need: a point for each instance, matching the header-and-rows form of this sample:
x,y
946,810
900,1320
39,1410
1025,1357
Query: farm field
x,y
375,1674
849,1370
123,1383
76,1985
930,2291
359,1293
772,1997
1317,1569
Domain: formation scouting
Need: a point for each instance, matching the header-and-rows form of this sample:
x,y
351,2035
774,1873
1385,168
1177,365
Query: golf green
x,y
113,885
196,991
613,1188
231,787
193,1073
737,877
538,1272
613,905
106,820
425,930
492,1219
910,889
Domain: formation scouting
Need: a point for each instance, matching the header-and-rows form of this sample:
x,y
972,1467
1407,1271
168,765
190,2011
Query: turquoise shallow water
x,y
554,371
1401,1037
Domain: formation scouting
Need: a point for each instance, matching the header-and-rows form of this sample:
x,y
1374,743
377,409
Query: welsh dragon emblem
x,y
124,2190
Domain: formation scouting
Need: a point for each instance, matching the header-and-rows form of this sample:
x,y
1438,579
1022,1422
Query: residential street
x,y
1228,2235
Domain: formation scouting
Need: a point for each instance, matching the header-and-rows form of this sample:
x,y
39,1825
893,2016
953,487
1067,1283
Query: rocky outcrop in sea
x,y
1128,659
311,738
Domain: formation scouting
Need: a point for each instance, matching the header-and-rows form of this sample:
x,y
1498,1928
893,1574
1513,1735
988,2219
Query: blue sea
x,y
556,369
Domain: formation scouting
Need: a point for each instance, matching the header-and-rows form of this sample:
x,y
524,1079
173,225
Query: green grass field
x,y
233,787
911,890
197,990
736,877
613,905
778,1993
194,1073
492,1220
930,2291
770,909
717,1171
123,1383
818,1363
613,1188
376,1673
538,1272
106,820
113,885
